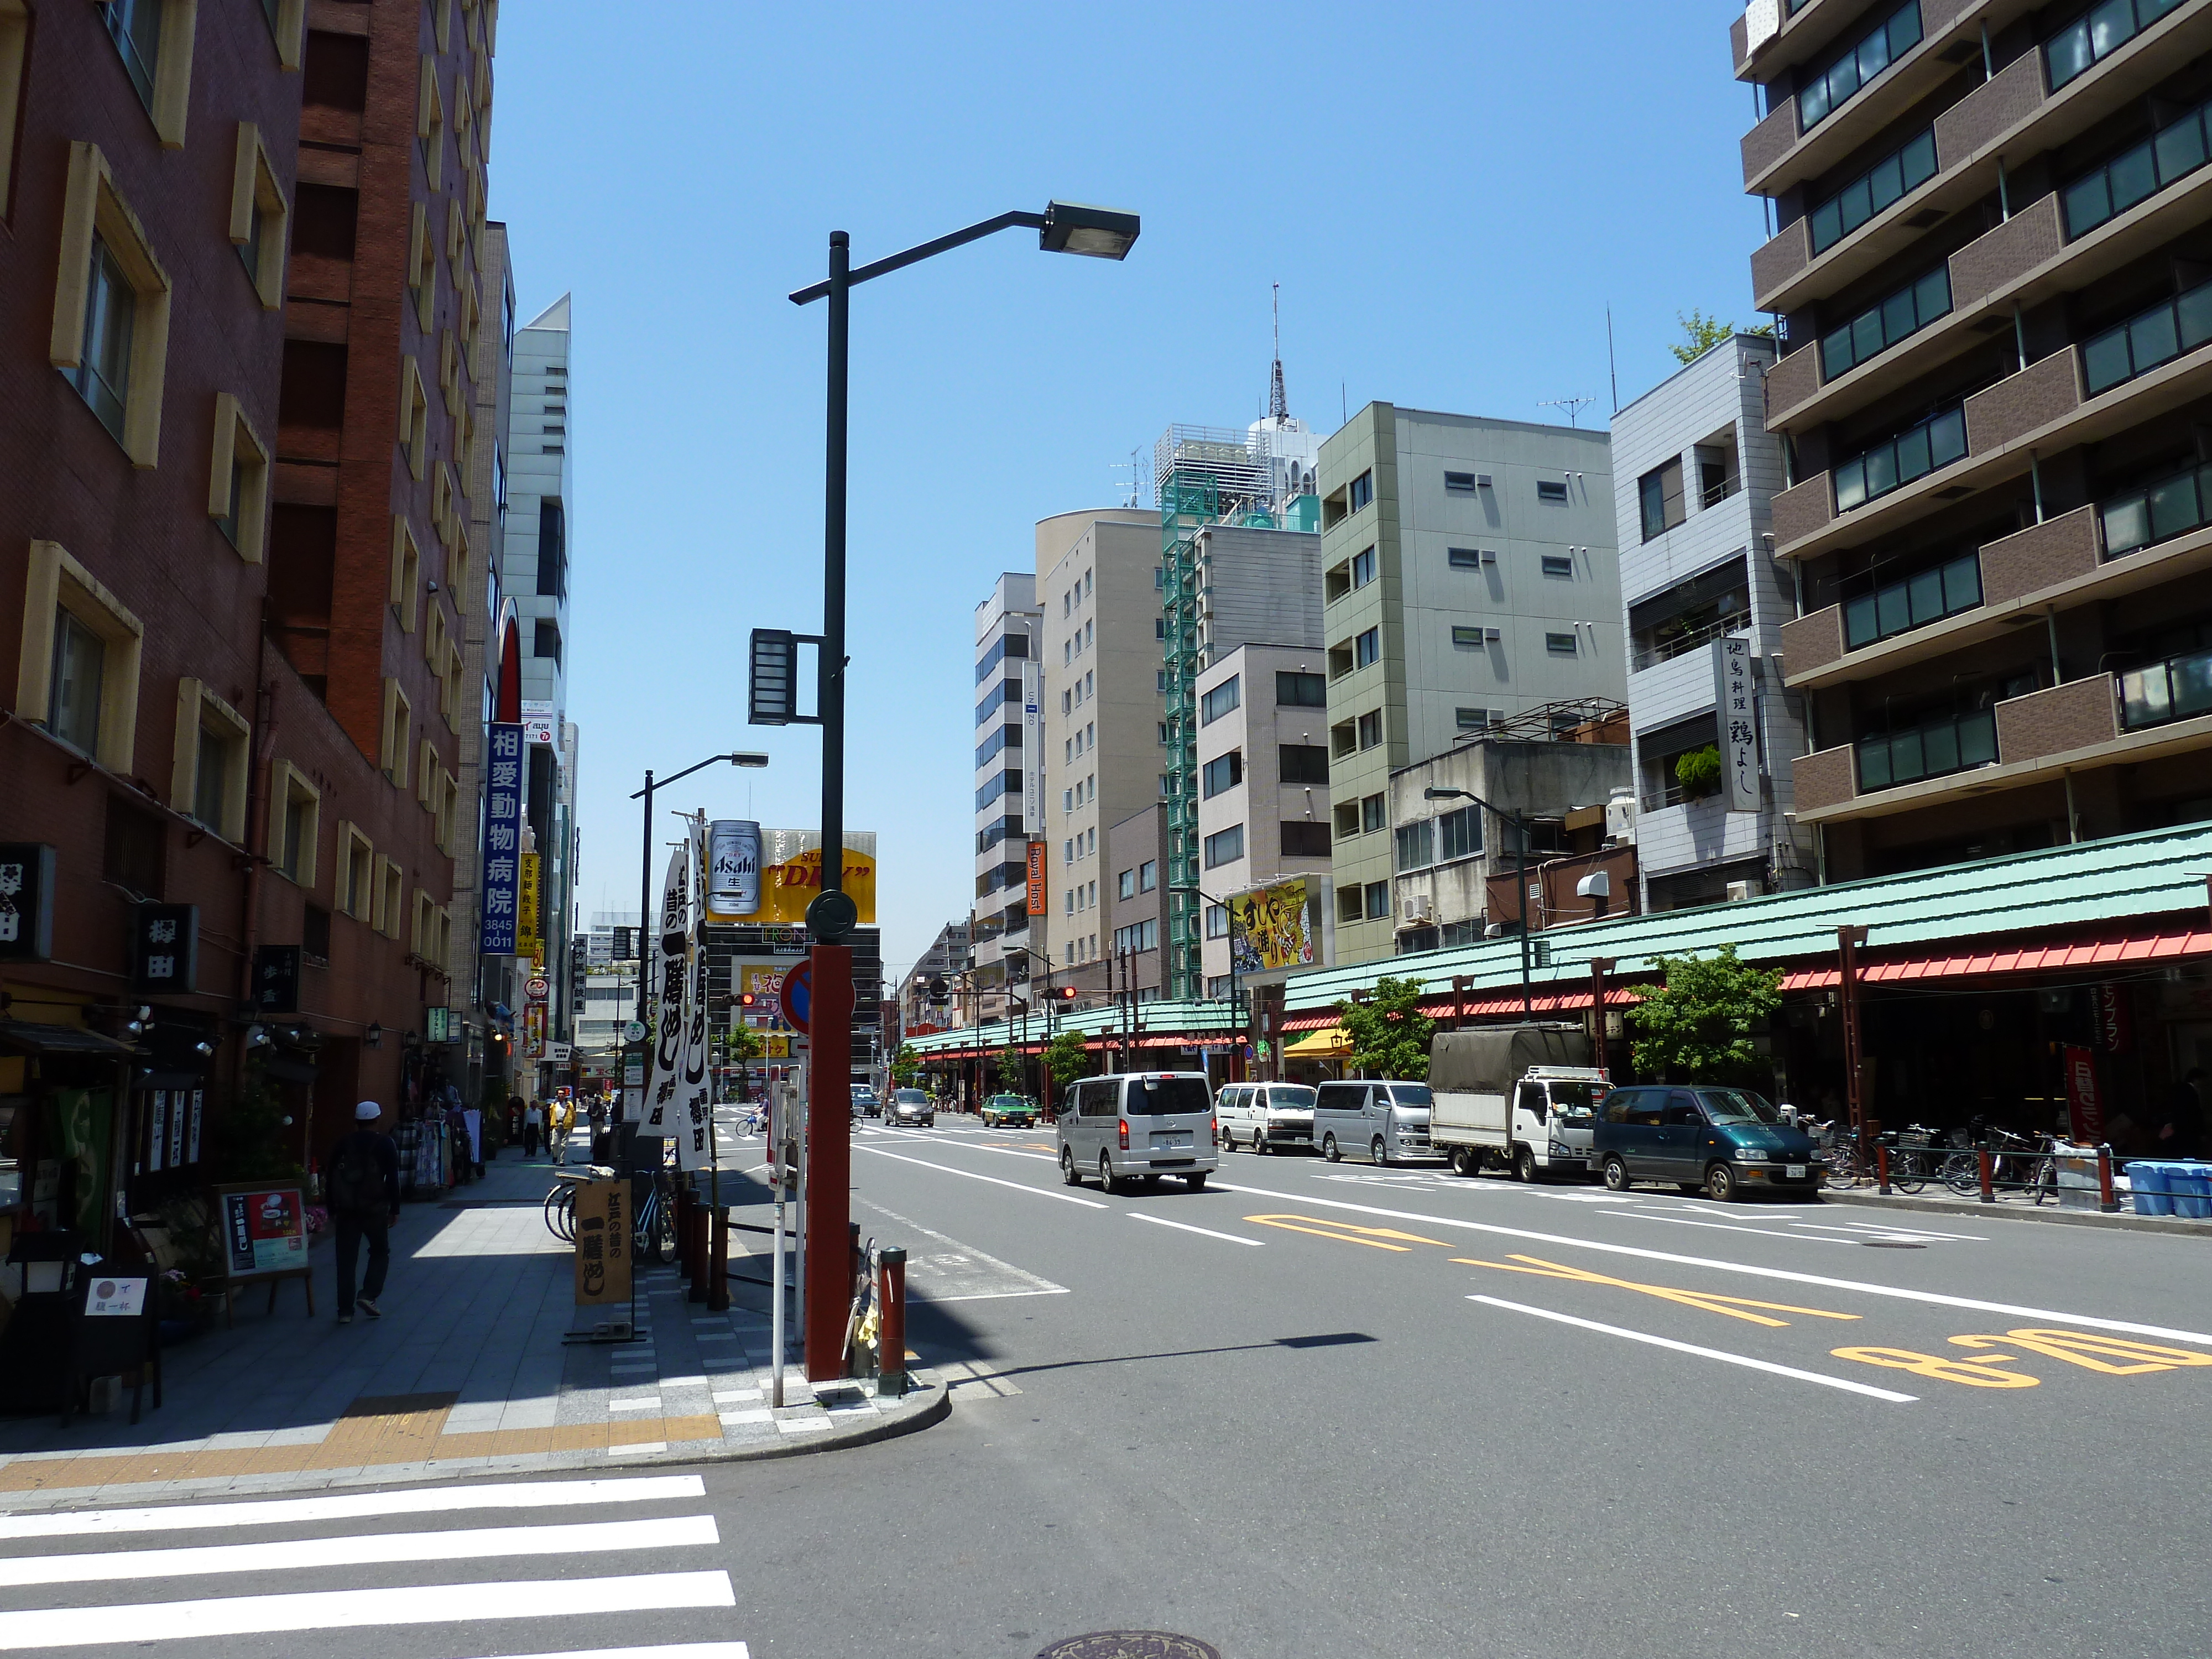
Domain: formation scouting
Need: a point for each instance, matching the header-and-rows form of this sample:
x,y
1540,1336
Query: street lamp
x,y
645,911
1236,990
1519,876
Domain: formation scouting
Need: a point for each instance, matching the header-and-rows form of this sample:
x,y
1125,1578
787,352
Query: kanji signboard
x,y
165,947
1736,710
503,849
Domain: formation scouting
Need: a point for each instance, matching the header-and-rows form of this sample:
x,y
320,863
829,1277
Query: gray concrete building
x,y
1470,574
1009,782
1695,472
1137,908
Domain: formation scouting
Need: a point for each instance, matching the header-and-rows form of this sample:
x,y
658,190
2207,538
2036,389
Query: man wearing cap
x,y
362,1189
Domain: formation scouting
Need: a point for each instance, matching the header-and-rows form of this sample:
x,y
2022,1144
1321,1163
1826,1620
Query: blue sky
x,y
1448,195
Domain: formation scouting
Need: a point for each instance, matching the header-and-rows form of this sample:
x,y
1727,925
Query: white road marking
x,y
651,1403
1933,1298
355,1506
292,1555
952,1274
358,1609
1020,1187
1721,1226
1722,1355
1917,1232
1185,1227
671,1651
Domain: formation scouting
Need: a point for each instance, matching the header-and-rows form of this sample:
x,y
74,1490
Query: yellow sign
x,y
789,887
777,1044
525,911
763,981
1269,929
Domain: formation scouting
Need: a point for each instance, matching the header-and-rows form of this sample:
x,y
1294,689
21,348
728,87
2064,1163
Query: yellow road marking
x,y
1974,1373
1734,1307
1344,1232
2093,1353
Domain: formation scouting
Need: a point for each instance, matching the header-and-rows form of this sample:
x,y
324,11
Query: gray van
x,y
1139,1125
1723,1141
1387,1121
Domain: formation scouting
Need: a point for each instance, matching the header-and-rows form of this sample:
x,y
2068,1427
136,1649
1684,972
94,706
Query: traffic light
x,y
746,999
1065,993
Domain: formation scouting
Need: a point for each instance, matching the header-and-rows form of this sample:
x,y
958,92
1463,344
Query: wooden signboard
x,y
603,1243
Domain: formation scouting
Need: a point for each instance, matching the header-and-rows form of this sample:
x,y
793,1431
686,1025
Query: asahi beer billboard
x,y
734,868
788,874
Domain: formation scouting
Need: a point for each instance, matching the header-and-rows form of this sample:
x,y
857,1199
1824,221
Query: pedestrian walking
x,y
362,1190
534,1123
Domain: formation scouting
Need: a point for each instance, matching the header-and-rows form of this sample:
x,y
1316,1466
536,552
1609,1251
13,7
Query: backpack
x,y
356,1182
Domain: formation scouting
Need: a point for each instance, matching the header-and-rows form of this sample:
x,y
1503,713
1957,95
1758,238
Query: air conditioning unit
x,y
1741,889
1488,557
1620,816
1420,907
1491,636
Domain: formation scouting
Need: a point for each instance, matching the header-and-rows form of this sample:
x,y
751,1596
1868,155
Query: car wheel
x,y
1720,1183
1195,1182
1107,1181
1376,1151
1068,1167
1462,1162
1329,1149
1616,1175
1524,1166
1259,1143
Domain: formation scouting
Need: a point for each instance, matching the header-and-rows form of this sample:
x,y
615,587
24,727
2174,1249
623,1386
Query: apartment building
x,y
946,961
1009,782
1993,396
1263,811
1137,908
1105,700
1469,575
1695,472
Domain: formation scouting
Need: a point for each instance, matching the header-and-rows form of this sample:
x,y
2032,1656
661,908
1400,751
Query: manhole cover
x,y
1892,1244
1131,1644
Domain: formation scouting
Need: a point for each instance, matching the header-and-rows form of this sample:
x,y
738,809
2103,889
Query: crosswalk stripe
x,y
671,1651
372,1549
409,1604
355,1506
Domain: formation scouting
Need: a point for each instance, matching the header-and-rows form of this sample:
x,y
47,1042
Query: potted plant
x,y
1698,772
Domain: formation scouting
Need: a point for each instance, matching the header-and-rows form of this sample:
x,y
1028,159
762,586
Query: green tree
x,y
1389,1034
1013,1071
905,1064
1065,1058
1701,333
1696,1027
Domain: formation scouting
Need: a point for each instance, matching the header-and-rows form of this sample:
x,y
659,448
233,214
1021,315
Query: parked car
x,y
1002,1110
1142,1125
1388,1121
1722,1141
912,1106
865,1102
1265,1117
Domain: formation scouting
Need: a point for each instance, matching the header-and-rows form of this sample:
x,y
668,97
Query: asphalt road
x,y
1330,1409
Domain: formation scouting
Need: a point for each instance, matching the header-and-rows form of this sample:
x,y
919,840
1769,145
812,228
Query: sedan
x,y
999,1110
912,1106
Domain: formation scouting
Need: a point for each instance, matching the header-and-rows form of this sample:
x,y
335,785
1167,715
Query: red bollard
x,y
890,1329
1881,1168
1989,1163
2107,1200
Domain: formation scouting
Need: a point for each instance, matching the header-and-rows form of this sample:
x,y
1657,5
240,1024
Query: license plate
x,y
1170,1143
1793,1172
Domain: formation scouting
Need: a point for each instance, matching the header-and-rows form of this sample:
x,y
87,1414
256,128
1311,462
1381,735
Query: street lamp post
x,y
1062,227
1235,983
1519,876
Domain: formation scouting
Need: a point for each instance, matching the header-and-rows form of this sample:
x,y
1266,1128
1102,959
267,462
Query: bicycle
x,y
653,1230
1843,1166
2039,1177
1908,1169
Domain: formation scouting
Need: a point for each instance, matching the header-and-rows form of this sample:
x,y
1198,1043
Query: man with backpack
x,y
362,1190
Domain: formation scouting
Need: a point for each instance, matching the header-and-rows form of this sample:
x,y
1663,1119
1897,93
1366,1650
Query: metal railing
x,y
1680,645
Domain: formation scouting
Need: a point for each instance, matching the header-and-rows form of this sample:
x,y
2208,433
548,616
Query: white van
x,y
1387,1121
1265,1117
1140,1125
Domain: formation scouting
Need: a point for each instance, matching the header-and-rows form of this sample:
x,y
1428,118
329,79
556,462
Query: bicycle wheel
x,y
1843,1169
561,1213
1907,1174
1962,1174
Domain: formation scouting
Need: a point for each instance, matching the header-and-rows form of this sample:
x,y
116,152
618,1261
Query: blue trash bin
x,y
2146,1180
2190,1184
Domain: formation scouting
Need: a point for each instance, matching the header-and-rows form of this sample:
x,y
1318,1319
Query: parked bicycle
x,y
652,1228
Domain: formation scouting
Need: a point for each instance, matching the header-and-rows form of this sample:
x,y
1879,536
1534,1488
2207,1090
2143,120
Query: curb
x,y
2170,1228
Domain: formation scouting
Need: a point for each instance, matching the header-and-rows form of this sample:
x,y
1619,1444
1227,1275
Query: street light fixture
x,y
1519,876
746,757
1236,984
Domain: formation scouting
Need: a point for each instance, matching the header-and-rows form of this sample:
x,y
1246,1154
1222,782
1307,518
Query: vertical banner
x,y
2115,1019
157,1138
1738,719
693,1119
1033,749
502,847
177,1126
667,947
1036,906
2085,1107
527,899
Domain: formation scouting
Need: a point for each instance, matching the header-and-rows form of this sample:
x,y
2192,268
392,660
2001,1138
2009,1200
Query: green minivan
x,y
1717,1141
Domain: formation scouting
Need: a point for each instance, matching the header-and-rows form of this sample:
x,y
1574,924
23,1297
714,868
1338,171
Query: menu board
x,y
264,1230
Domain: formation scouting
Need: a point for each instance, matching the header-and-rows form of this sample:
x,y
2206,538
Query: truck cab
x,y
1521,1098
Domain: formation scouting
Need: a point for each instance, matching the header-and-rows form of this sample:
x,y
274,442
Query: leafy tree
x,y
1695,1026
1013,1071
1065,1058
1701,333
740,1044
906,1064
1389,1034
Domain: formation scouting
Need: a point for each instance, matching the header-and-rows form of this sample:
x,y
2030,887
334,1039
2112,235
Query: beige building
x,y
1104,711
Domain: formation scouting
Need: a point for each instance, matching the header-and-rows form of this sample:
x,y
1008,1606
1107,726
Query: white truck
x,y
1523,1097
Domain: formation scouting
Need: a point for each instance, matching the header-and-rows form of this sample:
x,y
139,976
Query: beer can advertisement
x,y
734,868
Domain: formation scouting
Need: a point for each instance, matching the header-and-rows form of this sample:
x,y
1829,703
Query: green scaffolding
x,y
1190,499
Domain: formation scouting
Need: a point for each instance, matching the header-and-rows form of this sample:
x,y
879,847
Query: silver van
x,y
1143,1124
1387,1121
1265,1117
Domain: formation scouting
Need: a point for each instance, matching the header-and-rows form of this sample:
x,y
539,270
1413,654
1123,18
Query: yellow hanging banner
x,y
526,942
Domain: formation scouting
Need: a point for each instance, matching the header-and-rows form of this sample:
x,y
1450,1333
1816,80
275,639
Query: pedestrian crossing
x,y
343,1567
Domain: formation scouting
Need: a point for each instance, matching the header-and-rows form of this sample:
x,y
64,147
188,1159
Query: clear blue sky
x,y
1448,195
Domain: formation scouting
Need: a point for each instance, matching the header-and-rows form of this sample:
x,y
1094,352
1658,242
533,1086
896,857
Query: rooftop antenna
x,y
1572,405
1611,368
1279,403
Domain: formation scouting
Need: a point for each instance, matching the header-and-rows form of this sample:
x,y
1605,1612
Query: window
x,y
1839,83
1125,884
1347,904
1934,442
14,40
399,719
1417,845
1221,772
2142,343
1558,564
1925,597
1476,719
1347,820
422,267
430,121
406,589
1363,568
1067,850
1148,876
154,38
1370,728
78,671
1367,648
1304,838
1890,180
206,776
1373,814
2106,28
1459,835
1469,634
1560,645
1217,921
546,641
1225,846
391,896
1067,902
357,873
111,327
1551,490
1660,493
238,480
258,214
1159,679
1467,558
1219,700
295,817
1880,326
427,939
1378,901
286,24
1301,762
1461,483
1361,492
1301,690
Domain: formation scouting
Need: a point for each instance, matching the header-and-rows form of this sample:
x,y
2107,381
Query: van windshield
x,y
1164,1096
1411,1094
1290,1098
1737,1106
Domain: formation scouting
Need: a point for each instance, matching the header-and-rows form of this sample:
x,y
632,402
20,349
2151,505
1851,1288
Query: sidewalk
x,y
467,1373
1939,1200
